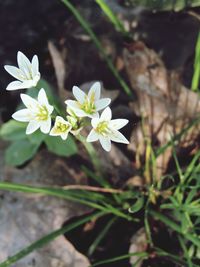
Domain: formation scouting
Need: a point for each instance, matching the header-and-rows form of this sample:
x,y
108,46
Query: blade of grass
x,y
191,167
49,191
143,255
185,251
97,178
111,16
196,73
174,258
102,181
96,41
101,235
194,239
47,239
119,213
176,137
178,167
66,194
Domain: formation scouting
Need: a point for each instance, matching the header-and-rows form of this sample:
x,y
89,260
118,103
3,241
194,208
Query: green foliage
x,y
20,152
24,147
196,73
138,205
13,130
179,212
164,5
60,147
111,16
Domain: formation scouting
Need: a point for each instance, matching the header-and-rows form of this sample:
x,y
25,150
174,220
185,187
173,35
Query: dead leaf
x,y
138,244
164,105
60,68
135,181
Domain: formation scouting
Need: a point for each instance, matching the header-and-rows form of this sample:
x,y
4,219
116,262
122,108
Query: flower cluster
x,y
39,113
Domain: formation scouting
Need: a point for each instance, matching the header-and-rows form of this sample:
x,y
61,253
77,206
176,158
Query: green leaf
x,y
111,15
20,151
165,5
139,203
36,137
13,130
60,147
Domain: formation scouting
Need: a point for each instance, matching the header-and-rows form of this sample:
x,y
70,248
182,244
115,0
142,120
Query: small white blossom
x,y
106,130
61,128
88,105
37,113
27,72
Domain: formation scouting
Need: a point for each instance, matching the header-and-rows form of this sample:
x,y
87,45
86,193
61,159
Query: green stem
x,y
96,41
92,153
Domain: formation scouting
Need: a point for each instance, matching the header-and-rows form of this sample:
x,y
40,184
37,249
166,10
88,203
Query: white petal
x,y
60,119
102,103
118,123
23,62
64,136
94,115
28,101
35,79
92,136
28,84
35,65
118,137
32,127
50,109
20,85
95,122
95,91
15,72
79,94
80,113
106,143
22,115
42,97
45,126
54,132
15,86
106,115
74,105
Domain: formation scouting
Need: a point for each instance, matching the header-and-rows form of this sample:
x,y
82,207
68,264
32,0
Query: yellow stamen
x,y
89,105
62,127
42,114
103,128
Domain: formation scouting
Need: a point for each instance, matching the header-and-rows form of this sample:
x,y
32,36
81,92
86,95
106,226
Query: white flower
x,y
27,74
88,105
61,127
106,130
37,113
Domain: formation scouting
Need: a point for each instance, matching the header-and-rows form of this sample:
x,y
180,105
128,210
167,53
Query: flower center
x,y
62,127
89,105
42,114
103,128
